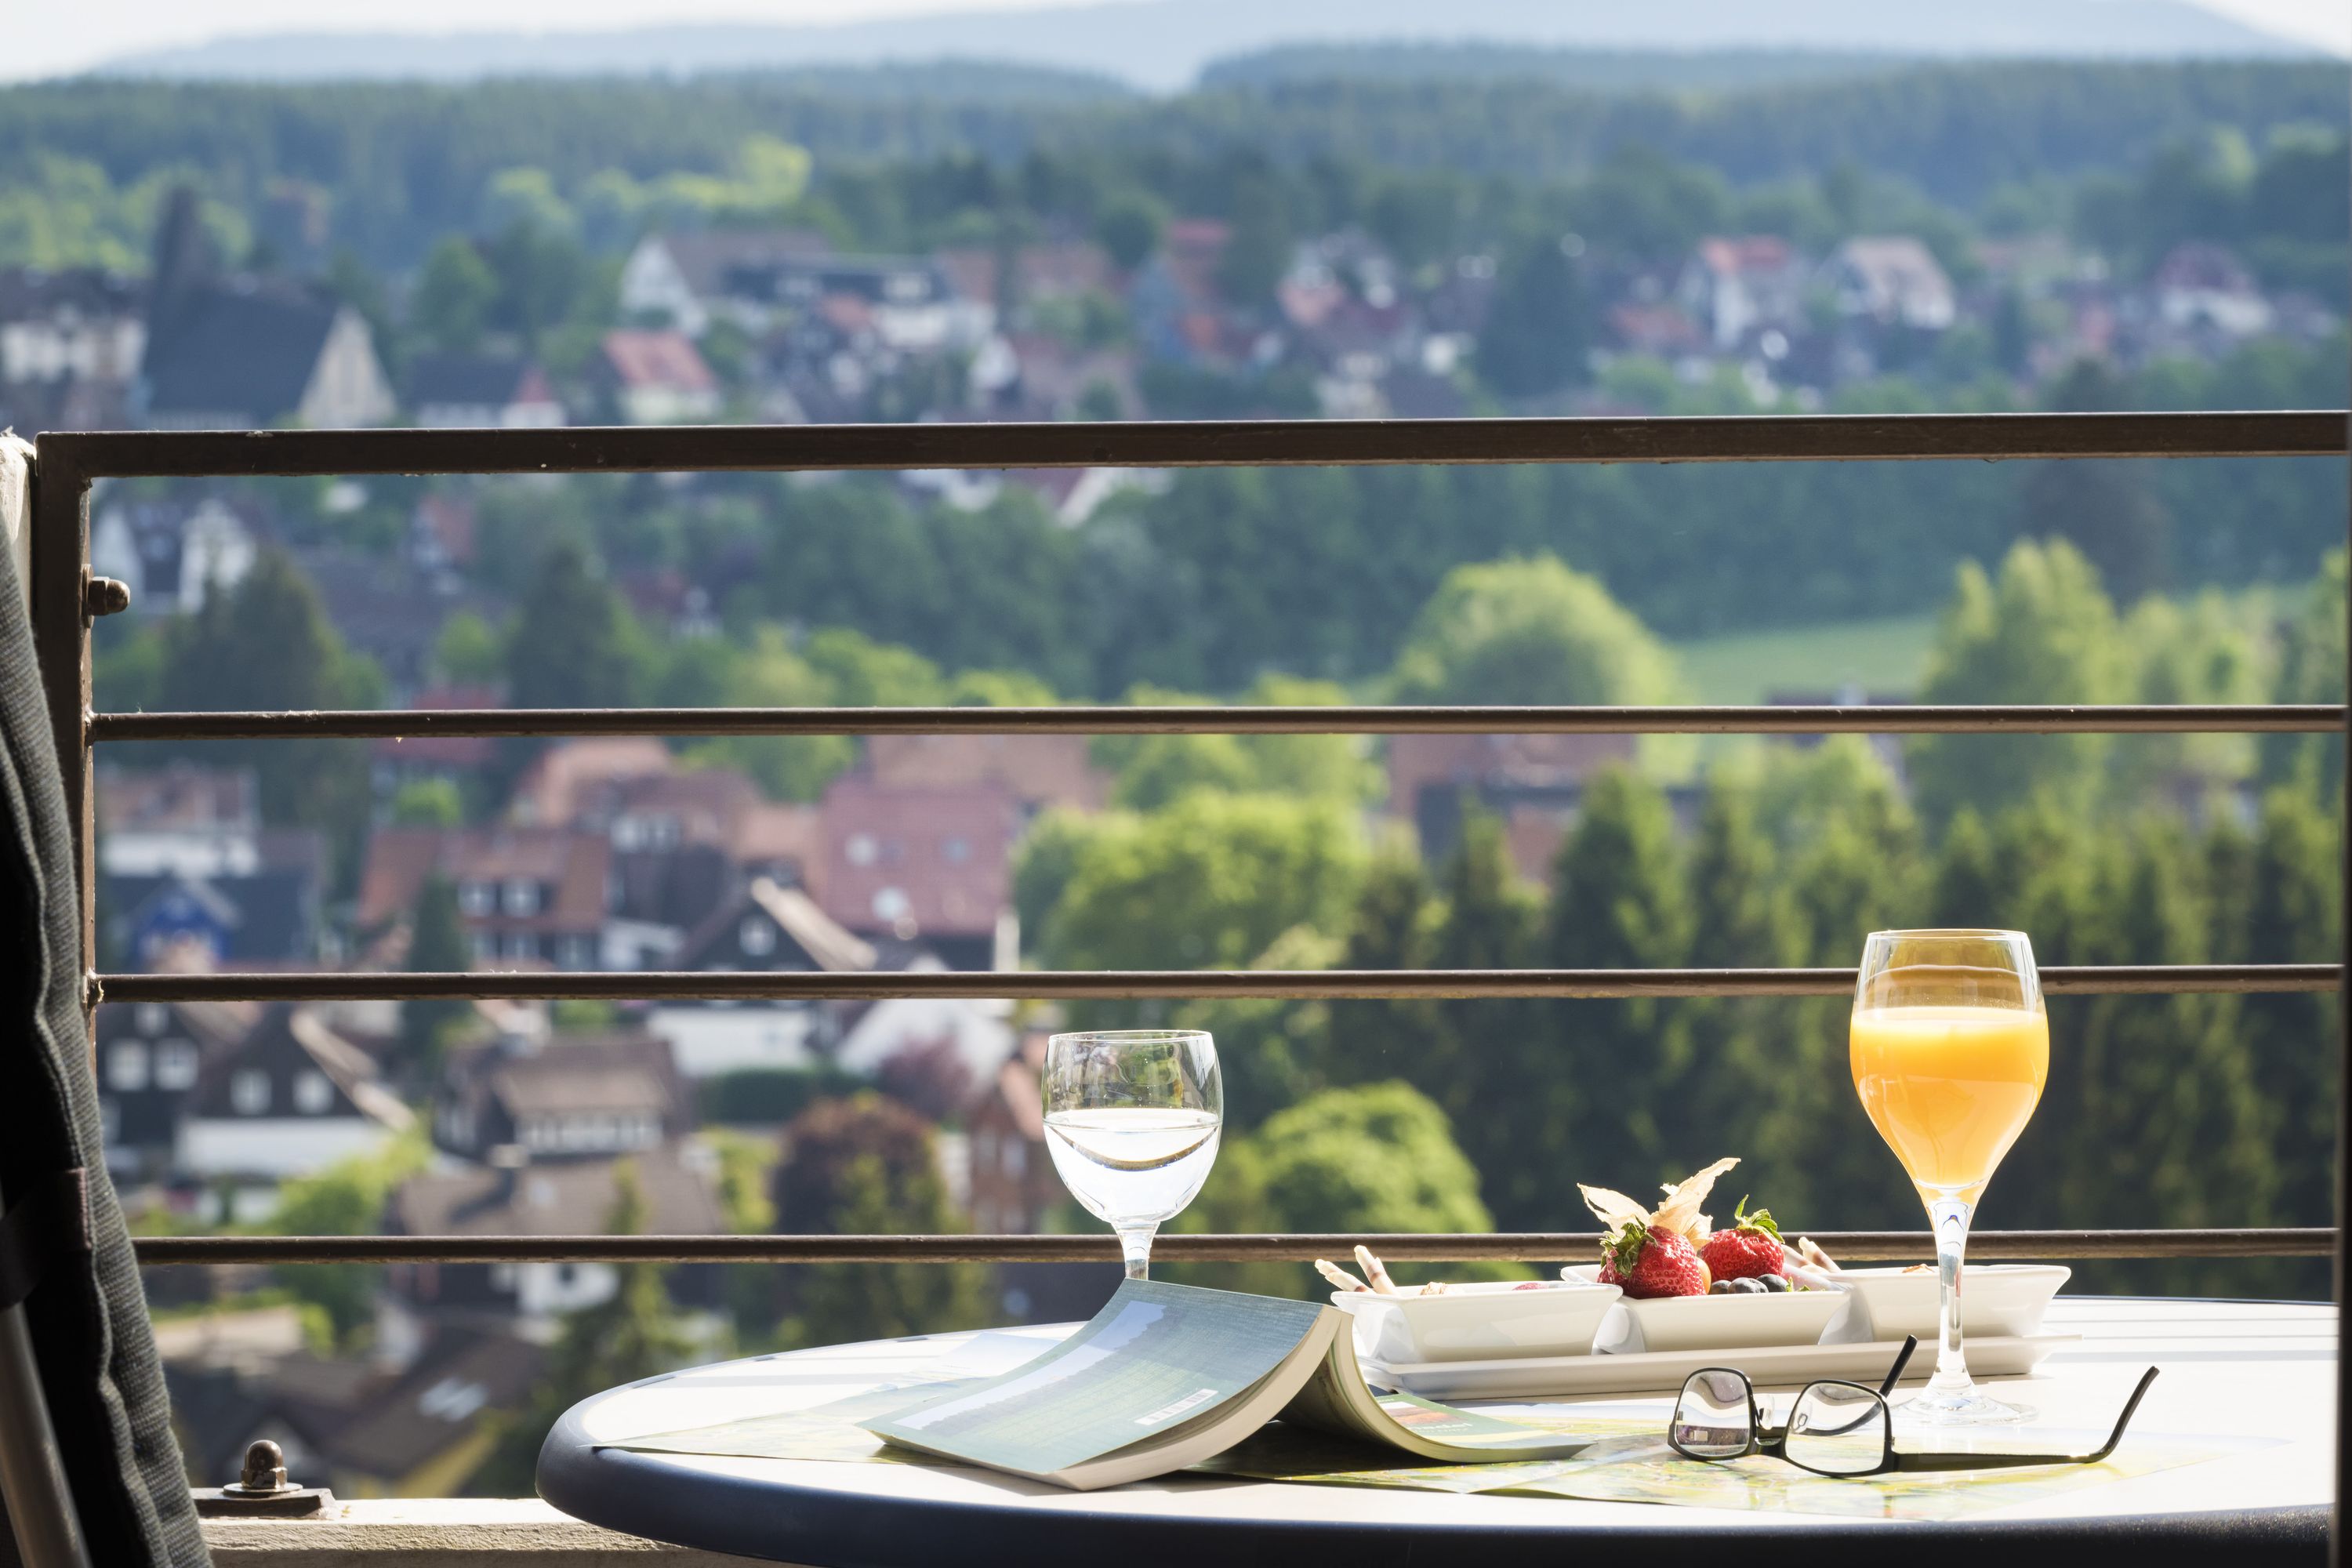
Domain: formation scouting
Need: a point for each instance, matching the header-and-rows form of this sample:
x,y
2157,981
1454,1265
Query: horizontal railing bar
x,y
1848,1245
1847,437
1035,984
2166,718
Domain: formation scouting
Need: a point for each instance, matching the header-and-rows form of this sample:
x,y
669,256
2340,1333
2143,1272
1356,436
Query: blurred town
x,y
2206,275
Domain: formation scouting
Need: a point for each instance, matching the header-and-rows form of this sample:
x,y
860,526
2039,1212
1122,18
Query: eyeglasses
x,y
1834,1428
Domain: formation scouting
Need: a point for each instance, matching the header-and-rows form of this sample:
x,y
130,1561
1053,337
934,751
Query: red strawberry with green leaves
x,y
1650,1261
1748,1250
1655,1253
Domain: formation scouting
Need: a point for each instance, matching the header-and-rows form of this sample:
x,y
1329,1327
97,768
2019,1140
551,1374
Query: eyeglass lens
x,y
1838,1429
1713,1419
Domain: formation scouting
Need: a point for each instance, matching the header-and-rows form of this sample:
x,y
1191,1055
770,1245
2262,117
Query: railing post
x,y
60,596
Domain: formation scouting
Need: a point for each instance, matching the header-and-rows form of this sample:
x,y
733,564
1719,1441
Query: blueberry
x,y
1749,1287
1721,1287
1775,1281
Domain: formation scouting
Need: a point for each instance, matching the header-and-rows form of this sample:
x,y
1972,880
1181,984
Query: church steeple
x,y
184,263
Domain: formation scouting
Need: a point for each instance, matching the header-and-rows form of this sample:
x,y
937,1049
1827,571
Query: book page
x,y
1156,1357
1337,1400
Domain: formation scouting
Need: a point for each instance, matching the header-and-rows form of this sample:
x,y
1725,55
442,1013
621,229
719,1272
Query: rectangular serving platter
x,y
1662,1372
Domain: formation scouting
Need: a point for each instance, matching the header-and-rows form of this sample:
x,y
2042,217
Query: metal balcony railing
x,y
65,597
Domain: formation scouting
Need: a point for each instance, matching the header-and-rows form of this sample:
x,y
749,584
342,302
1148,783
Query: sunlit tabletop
x,y
2231,1369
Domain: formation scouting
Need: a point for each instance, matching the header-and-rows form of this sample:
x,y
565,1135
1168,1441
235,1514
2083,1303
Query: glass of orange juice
x,y
1951,1048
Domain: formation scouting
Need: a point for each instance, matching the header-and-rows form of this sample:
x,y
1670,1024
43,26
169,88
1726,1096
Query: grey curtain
x,y
88,1315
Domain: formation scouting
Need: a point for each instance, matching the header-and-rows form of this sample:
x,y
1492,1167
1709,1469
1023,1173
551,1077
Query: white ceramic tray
x,y
1662,1372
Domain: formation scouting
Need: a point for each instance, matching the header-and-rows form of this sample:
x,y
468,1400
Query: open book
x,y
1166,1376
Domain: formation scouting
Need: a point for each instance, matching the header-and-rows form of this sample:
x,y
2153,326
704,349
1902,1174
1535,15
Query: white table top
x,y
2230,1368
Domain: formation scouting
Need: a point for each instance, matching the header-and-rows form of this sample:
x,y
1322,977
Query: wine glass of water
x,y
1132,1116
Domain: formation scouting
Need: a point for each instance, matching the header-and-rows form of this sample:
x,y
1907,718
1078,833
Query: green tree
x,y
1378,1157
1530,632
1617,902
574,644
468,651
1155,770
267,643
766,672
1538,334
348,1198
2206,650
2108,511
455,294
1394,927
1482,1063
1209,882
2042,632
2312,667
437,942
1128,227
865,1166
1275,1051
1257,253
2293,916
428,803
632,1334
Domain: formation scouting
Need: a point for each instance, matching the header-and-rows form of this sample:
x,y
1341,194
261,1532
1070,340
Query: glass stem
x,y
1134,1244
1950,1218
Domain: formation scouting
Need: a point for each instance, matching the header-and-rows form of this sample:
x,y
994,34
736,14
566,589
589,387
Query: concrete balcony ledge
x,y
443,1532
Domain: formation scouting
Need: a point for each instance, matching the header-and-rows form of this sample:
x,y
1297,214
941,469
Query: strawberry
x,y
1650,1261
1750,1249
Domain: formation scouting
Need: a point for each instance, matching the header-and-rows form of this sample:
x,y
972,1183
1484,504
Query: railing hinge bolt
x,y
265,1462
107,596
262,1490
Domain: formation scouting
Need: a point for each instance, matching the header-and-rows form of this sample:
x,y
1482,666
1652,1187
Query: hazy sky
x,y
51,39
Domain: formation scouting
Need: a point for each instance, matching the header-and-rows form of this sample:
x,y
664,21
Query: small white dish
x,y
1995,1299
1719,1322
1775,1366
1489,1320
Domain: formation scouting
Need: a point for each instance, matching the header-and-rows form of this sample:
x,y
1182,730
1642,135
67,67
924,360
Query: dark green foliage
x,y
768,1096
267,644
1380,1157
864,1166
436,942
1539,328
570,646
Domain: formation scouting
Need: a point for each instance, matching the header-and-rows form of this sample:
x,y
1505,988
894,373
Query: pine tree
x,y
1617,902
2294,917
267,643
1393,928
437,942
1739,1087
574,642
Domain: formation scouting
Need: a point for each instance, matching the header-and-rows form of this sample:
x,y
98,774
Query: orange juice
x,y
1949,1089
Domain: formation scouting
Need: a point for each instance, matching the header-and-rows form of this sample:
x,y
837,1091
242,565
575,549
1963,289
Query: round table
x,y
2231,1368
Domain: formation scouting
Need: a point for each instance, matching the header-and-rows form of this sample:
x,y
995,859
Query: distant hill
x,y
1165,44
1591,71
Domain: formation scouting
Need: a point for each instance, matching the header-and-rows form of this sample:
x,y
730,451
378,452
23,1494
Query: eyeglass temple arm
x,y
1902,1360
1992,1461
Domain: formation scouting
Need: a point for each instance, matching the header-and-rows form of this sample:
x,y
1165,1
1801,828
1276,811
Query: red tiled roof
x,y
574,866
666,360
941,857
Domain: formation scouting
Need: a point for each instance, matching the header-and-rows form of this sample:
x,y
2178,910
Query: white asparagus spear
x,y
1339,1277
1813,1256
1375,1272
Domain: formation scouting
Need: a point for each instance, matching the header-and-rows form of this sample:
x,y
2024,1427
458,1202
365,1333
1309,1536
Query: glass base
x,y
1958,1407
